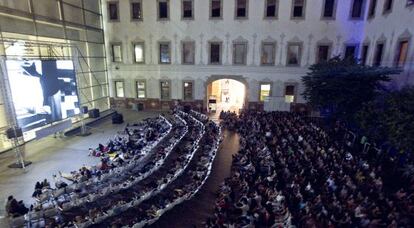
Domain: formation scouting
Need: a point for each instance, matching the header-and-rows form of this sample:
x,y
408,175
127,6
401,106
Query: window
x,y
241,9
119,89
294,54
163,10
265,89
372,7
271,8
410,3
113,11
136,10
357,9
378,54
350,51
215,11
323,53
188,52
188,90
239,53
187,9
117,53
298,9
165,56
215,53
141,89
402,51
329,9
388,6
165,90
139,52
268,53
290,93
364,54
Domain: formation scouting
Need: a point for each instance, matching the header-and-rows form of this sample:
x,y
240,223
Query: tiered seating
x,y
96,183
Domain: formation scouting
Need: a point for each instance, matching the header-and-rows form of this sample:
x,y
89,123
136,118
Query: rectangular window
x,y
215,11
350,51
271,8
290,94
372,8
165,56
264,91
165,89
241,8
268,54
298,9
357,9
187,9
116,53
329,9
388,6
294,54
378,54
188,52
141,89
136,10
239,53
401,54
139,52
364,54
188,90
323,53
113,11
119,89
215,53
163,9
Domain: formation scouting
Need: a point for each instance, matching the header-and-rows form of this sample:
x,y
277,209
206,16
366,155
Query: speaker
x,y
117,118
85,109
93,113
14,133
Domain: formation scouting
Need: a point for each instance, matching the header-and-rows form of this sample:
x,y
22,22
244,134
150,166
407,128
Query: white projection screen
x,y
43,91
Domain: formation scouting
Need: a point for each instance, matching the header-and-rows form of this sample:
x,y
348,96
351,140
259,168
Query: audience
x,y
289,171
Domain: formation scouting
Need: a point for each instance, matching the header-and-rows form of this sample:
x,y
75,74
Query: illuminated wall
x,y
76,25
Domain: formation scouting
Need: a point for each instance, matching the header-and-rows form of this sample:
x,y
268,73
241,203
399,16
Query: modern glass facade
x,y
57,29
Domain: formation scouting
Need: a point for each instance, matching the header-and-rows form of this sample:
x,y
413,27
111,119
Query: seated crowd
x,y
291,172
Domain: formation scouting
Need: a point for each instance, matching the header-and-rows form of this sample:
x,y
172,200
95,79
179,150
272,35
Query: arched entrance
x,y
227,93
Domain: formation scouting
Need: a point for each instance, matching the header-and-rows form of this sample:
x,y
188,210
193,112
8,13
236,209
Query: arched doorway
x,y
226,94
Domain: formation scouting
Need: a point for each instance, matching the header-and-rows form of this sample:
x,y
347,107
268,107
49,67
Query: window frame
x,y
192,10
109,12
132,13
137,90
374,62
333,17
245,44
388,10
158,10
220,43
318,45
246,11
364,58
265,17
398,50
303,17
182,52
143,52
260,89
211,10
159,52
362,16
115,81
372,10
113,52
274,43
192,90
295,97
346,45
300,44
169,90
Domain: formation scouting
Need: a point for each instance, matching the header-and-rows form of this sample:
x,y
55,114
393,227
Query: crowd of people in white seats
x,y
321,180
119,153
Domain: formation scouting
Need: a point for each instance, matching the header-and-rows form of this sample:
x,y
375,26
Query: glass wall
x,y
58,29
